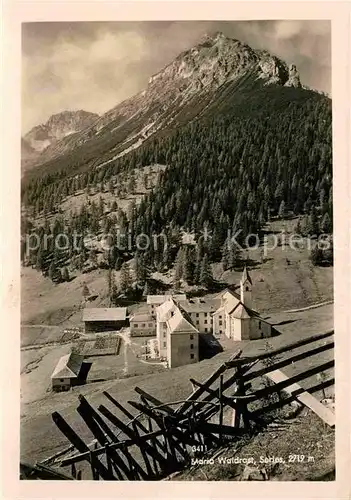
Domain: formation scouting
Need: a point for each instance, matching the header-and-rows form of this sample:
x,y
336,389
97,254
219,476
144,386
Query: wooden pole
x,y
144,446
131,417
73,437
280,350
214,376
221,406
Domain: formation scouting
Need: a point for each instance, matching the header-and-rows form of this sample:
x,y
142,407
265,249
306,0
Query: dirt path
x,y
125,336
38,326
33,347
313,306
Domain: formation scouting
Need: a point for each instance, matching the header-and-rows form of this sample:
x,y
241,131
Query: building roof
x,y
159,299
163,312
200,305
245,276
104,314
229,292
231,301
141,316
241,312
179,324
68,366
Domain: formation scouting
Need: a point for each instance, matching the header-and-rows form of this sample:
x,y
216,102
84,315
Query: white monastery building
x,y
179,321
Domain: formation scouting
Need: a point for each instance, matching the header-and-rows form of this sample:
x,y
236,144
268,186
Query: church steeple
x,y
246,289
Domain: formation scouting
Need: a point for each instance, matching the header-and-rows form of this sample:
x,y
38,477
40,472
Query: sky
x,y
95,65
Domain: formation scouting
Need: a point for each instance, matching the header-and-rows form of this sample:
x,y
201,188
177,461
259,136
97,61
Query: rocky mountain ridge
x,y
176,94
57,128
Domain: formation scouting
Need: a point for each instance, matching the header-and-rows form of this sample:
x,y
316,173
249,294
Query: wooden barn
x,y
100,319
68,372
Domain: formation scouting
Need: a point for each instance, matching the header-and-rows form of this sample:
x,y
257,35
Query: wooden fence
x,y
161,438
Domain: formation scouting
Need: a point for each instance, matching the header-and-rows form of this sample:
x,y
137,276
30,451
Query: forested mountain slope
x,y
235,156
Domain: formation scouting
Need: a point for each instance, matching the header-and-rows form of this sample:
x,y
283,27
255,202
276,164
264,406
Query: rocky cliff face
x,y
57,127
216,60
294,77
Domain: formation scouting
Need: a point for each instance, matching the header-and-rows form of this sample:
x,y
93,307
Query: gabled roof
x,y
203,305
104,314
141,316
227,290
179,324
163,312
68,366
230,302
159,299
240,312
245,276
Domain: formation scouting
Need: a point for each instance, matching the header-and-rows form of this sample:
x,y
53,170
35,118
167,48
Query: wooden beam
x,y
214,376
153,400
207,427
93,420
132,417
277,376
46,472
73,437
279,404
89,409
287,361
280,350
221,406
281,385
59,454
131,434
100,451
102,439
183,437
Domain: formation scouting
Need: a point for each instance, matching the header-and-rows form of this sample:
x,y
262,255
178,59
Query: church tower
x,y
246,289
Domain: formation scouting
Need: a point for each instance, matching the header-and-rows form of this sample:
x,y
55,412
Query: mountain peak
x,y
176,94
212,36
57,127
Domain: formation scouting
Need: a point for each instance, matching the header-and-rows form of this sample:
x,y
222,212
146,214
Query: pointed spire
x,y
246,276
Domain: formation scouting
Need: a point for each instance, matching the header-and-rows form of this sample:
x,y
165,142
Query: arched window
x,y
247,288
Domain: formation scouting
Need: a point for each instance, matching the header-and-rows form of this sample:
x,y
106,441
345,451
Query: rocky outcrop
x,y
57,127
294,77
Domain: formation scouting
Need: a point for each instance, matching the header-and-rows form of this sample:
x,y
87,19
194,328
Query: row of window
x,y
198,321
143,325
165,345
206,314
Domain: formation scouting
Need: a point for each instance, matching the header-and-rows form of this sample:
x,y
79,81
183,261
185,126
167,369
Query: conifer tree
x,y
326,225
298,229
52,271
58,276
65,274
188,266
179,265
85,291
40,259
314,224
281,212
316,256
125,278
225,256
